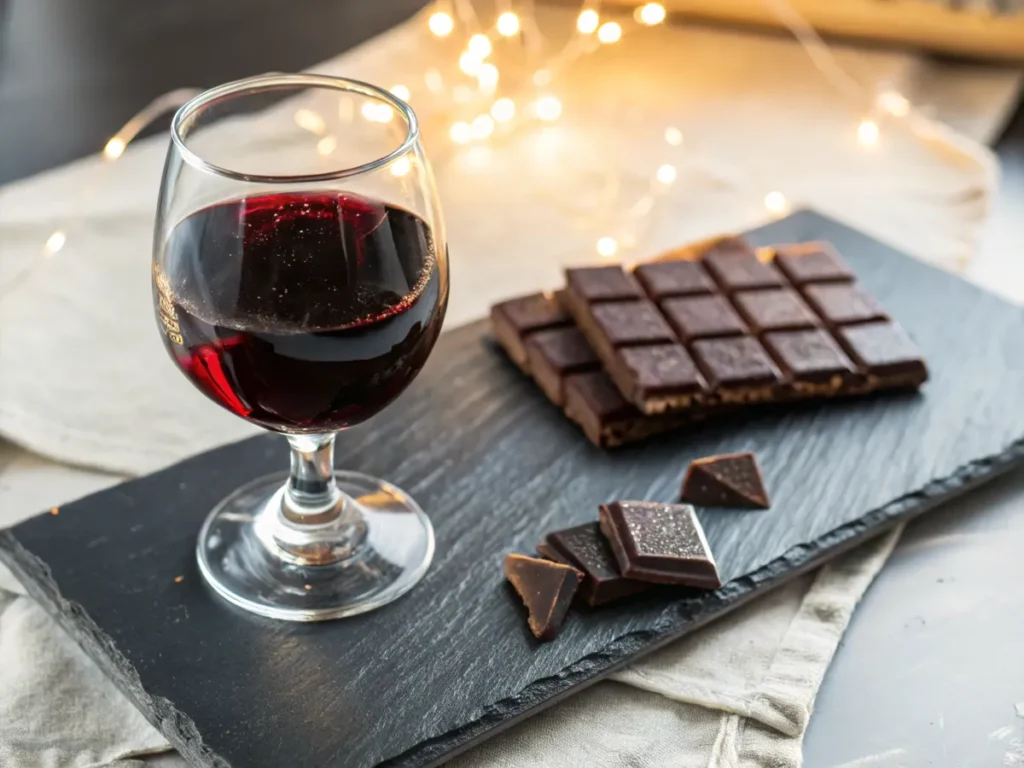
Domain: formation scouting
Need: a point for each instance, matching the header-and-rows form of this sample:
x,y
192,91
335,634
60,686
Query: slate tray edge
x,y
184,736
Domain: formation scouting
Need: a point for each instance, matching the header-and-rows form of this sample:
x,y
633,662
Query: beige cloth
x,y
80,361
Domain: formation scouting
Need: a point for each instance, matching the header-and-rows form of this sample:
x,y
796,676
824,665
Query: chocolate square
x,y
843,304
595,403
814,262
514,320
662,369
810,356
775,309
602,284
585,548
659,542
699,317
736,270
733,363
631,322
554,354
885,349
674,278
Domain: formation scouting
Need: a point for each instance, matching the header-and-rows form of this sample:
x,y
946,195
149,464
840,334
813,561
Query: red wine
x,y
301,312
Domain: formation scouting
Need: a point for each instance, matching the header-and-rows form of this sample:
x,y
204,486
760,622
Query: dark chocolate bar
x,y
659,542
584,548
707,331
546,587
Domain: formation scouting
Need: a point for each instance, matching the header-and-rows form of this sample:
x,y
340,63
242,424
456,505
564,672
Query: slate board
x,y
496,466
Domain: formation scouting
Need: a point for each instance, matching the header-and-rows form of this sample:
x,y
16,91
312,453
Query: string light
x,y
607,246
487,76
401,167
508,24
479,46
650,14
588,21
470,63
401,92
548,108
673,136
867,132
503,110
609,32
666,174
310,121
482,127
776,203
461,133
114,148
441,24
327,145
55,242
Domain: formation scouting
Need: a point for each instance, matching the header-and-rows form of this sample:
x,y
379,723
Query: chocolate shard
x,y
658,542
583,547
546,588
727,480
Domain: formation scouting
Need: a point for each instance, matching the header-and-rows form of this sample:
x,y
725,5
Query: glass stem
x,y
311,496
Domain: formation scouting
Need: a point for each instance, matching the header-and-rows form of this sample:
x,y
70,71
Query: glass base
x,y
373,552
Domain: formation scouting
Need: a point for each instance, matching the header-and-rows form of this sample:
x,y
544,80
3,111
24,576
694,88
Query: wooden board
x,y
496,466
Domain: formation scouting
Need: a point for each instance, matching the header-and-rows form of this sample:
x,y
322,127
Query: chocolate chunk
x,y
659,542
775,309
885,350
515,319
631,322
602,284
737,269
556,353
644,373
814,262
740,362
546,587
810,356
583,547
842,304
728,480
701,317
665,279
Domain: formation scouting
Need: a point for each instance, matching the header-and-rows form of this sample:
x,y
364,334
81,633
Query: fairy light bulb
x,y
503,110
896,104
482,127
508,24
114,148
609,32
650,14
776,203
377,113
401,167
487,76
441,24
867,132
542,77
461,133
55,242
588,21
326,145
309,120
401,92
434,80
673,136
470,63
479,46
548,108
607,246
666,174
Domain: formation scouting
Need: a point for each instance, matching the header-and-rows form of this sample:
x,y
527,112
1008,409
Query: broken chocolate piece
x,y
703,317
843,304
665,279
814,262
885,350
583,547
728,480
546,587
659,542
775,309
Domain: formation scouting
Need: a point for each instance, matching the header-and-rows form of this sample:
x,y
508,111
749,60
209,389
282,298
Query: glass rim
x,y
280,80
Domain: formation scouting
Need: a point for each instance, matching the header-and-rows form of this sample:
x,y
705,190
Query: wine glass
x,y
300,278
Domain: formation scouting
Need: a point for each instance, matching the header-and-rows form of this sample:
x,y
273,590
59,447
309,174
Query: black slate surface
x,y
495,466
